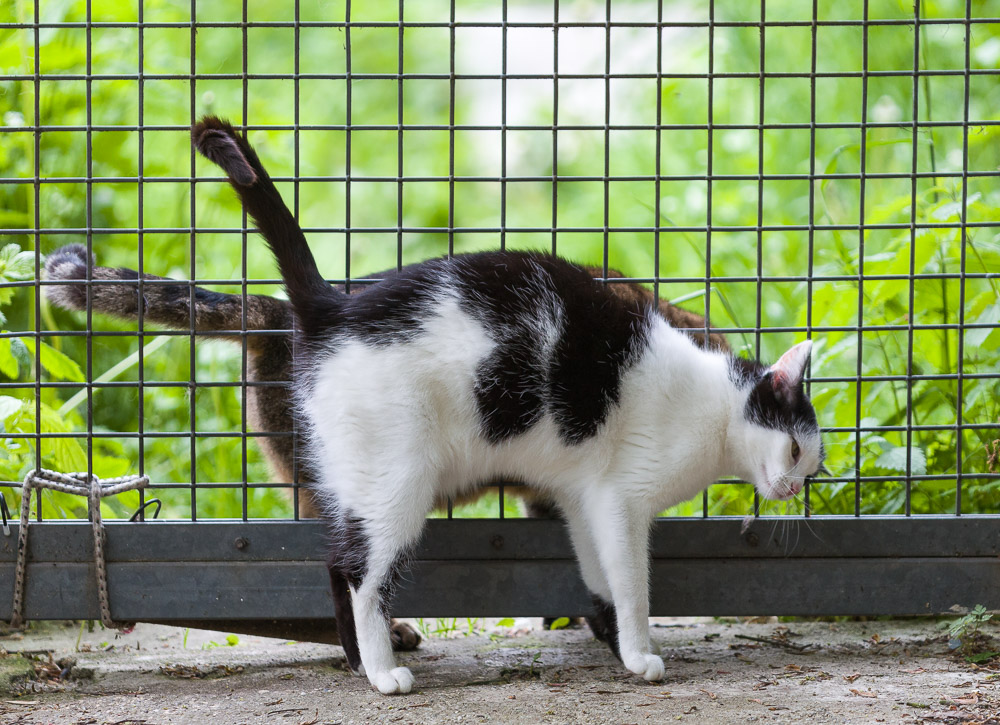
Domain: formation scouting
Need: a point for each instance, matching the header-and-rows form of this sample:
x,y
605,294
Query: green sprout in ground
x,y
965,634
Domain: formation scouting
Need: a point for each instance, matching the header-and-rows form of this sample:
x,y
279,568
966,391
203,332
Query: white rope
x,y
78,484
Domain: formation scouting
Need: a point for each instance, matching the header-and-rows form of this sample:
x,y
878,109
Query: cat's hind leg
x,y
346,631
386,547
345,563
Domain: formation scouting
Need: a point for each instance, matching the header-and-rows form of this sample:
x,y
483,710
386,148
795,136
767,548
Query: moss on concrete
x,y
14,671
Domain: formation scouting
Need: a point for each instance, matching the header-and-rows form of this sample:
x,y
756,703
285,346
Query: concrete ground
x,y
717,672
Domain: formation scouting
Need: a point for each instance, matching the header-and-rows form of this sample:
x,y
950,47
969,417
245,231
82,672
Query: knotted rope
x,y
78,484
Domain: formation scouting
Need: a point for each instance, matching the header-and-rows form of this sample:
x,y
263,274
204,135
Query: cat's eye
x,y
796,451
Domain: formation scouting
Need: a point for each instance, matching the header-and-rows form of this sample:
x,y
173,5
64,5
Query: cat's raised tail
x,y
220,143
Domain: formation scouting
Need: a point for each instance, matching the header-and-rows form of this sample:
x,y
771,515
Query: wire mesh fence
x,y
782,170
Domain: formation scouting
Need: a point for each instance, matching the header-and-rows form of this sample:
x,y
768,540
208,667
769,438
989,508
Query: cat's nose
x,y
795,487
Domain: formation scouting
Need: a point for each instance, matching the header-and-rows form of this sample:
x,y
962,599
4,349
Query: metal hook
x,y
142,508
5,513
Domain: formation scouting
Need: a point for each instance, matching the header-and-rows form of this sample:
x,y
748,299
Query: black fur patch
x,y
604,623
393,309
578,380
510,390
347,630
770,410
786,412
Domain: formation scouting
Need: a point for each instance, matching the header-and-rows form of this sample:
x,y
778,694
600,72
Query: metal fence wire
x,y
783,169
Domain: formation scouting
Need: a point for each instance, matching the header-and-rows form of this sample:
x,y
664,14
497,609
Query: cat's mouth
x,y
784,488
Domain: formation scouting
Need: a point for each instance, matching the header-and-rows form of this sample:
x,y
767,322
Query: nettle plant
x,y
890,302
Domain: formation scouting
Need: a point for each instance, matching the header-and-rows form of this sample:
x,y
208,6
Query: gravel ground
x,y
717,672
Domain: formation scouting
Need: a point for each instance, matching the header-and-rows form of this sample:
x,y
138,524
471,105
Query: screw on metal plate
x,y
752,539
241,543
497,541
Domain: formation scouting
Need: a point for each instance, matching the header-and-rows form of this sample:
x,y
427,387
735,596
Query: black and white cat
x,y
517,365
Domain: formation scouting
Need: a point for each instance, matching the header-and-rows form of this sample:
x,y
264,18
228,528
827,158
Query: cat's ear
x,y
786,374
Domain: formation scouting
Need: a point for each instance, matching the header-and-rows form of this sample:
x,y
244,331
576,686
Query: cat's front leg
x,y
621,534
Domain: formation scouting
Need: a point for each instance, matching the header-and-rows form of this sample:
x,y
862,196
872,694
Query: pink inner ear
x,y
791,366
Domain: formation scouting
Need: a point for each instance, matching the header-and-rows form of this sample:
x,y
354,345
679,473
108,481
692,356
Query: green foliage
x,y
964,633
231,641
835,254
449,626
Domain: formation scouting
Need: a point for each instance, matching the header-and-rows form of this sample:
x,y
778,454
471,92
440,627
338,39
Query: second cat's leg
x,y
623,552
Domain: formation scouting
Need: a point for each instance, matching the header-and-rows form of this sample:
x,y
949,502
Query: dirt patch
x,y
899,671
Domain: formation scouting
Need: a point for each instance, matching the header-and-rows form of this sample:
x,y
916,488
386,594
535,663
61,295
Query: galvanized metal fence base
x,y
271,572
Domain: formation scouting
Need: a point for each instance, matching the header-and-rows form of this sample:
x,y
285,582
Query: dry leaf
x,y
711,695
863,693
971,698
852,677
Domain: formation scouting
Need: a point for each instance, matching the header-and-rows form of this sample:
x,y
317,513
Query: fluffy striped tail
x,y
308,292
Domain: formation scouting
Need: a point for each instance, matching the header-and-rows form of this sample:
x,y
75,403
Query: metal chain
x,y
78,484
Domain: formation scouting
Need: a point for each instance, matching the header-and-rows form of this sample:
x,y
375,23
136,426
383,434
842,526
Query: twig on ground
x,y
777,642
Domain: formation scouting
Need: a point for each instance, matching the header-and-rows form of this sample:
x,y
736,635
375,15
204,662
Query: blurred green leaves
x,y
812,226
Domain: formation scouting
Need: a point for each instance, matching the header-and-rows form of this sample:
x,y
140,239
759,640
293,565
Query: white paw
x,y
390,682
649,666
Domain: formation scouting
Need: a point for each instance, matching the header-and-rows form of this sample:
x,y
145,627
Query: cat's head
x,y
777,443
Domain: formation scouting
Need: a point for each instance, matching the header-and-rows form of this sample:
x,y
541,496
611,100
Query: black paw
x,y
604,623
